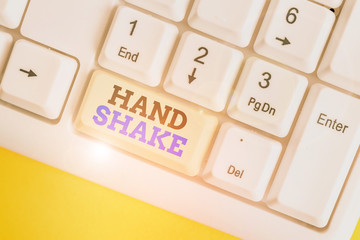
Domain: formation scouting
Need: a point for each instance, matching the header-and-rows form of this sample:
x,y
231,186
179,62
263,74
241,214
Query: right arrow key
x,y
29,73
37,79
284,41
294,33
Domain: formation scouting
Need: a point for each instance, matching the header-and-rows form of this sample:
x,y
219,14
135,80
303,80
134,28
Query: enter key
x,y
318,158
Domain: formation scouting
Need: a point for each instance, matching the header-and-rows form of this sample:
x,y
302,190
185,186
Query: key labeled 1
x,y
138,46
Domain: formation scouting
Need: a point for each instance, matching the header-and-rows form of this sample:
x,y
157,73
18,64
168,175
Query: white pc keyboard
x,y
241,115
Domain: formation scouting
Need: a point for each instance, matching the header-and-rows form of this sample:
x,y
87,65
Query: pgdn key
x,y
261,106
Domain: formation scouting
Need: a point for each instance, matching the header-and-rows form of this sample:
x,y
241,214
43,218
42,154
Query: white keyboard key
x,y
11,12
5,45
242,162
260,100
294,33
171,9
231,20
318,158
340,64
37,79
330,3
138,46
74,27
203,71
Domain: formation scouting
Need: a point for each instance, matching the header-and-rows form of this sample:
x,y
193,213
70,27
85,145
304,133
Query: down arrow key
x,y
192,76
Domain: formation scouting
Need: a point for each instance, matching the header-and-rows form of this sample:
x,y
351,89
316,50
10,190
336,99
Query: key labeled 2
x,y
203,71
138,46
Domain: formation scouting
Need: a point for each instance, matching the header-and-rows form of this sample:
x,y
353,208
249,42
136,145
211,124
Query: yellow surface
x,y
38,202
110,99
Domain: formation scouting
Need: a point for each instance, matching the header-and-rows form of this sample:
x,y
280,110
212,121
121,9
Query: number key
x,y
203,71
265,83
138,46
291,15
294,33
133,27
260,100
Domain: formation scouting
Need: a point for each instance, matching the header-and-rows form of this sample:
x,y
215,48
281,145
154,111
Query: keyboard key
x,y
340,64
5,45
330,3
37,79
242,162
171,9
74,27
145,123
318,158
203,71
230,20
260,100
11,12
138,46
294,33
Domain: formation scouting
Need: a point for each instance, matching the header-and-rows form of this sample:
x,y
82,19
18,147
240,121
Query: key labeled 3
x,y
267,97
203,71
294,33
138,46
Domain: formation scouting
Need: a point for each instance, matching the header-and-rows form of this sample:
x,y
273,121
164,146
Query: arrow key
x,y
203,71
29,73
37,79
294,33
